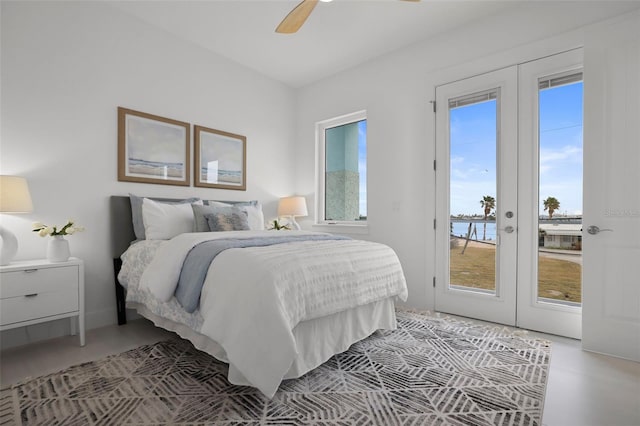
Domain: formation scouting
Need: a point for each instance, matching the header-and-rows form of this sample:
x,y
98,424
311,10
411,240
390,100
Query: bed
x,y
273,305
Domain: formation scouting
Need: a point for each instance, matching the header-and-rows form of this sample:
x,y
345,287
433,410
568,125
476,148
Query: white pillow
x,y
255,217
165,221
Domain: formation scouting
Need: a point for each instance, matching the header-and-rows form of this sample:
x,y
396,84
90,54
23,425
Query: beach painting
x,y
152,149
220,159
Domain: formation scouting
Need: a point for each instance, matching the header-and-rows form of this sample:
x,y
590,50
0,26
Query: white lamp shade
x,y
14,195
292,206
14,198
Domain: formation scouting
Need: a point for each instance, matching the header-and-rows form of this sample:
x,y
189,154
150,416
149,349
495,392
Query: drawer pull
x,y
31,295
29,271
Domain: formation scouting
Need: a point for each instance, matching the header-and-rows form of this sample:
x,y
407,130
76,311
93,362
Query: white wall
x,y
396,89
65,69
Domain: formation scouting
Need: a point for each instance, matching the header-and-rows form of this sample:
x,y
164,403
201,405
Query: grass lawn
x,y
557,279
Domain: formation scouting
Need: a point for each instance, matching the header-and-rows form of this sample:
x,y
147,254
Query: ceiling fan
x,y
294,20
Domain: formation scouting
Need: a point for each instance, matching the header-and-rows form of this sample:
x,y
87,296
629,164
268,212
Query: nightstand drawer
x,y
39,280
38,290
38,305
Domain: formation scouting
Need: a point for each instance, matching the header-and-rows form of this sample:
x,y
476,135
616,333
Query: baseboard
x,y
100,318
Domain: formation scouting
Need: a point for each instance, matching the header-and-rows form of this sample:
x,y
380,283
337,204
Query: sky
x,y
473,152
153,140
226,150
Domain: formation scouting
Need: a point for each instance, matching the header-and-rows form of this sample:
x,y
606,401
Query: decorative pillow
x,y
253,209
164,221
199,221
136,211
227,219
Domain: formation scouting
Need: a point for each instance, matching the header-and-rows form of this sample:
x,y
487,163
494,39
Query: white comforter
x,y
254,297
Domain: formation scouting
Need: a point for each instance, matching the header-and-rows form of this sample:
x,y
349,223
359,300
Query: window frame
x,y
354,226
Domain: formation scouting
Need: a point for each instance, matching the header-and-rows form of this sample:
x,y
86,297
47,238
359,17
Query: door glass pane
x,y
472,192
560,189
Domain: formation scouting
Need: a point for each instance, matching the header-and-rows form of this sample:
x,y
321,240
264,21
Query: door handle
x,y
593,230
508,229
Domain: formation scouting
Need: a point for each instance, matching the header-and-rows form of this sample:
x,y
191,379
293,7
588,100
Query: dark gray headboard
x,y
122,224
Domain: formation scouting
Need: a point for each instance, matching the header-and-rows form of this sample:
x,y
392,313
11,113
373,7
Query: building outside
x,y
561,235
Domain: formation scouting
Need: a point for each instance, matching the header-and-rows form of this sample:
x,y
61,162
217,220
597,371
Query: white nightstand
x,y
36,291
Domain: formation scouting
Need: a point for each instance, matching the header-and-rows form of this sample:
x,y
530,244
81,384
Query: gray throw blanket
x,y
196,264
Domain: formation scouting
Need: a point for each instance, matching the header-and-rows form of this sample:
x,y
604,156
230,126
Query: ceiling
x,y
337,35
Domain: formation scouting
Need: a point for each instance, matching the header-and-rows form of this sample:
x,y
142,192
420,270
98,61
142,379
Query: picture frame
x,y
153,149
220,159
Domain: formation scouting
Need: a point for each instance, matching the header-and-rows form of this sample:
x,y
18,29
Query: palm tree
x,y
488,203
551,204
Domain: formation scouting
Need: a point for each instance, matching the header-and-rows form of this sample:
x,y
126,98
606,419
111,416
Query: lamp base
x,y
295,224
9,246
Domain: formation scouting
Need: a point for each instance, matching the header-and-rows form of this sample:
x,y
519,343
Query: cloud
x,y
568,152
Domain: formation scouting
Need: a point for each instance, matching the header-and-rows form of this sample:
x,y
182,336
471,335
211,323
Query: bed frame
x,y
121,237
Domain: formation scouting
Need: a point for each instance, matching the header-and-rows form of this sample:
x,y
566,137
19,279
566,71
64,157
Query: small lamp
x,y
293,206
14,198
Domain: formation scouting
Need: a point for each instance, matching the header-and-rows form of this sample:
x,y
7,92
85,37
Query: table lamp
x,y
293,206
14,198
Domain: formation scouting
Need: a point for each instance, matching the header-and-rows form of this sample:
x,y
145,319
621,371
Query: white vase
x,y
58,249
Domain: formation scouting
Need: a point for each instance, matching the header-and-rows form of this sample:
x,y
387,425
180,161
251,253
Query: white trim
x,y
321,127
342,228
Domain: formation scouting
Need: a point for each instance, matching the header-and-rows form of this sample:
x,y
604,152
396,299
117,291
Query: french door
x,y
509,156
476,131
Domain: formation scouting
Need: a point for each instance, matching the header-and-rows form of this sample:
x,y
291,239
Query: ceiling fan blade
x,y
294,20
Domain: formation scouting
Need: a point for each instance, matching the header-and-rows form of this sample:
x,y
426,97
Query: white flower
x,y
47,230
66,229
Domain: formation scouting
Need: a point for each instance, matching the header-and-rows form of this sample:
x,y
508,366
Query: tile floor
x,y
584,388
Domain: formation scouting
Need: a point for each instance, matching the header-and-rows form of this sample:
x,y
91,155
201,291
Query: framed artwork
x,y
220,159
153,149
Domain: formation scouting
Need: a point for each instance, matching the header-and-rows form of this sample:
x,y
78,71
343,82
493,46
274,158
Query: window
x,y
342,170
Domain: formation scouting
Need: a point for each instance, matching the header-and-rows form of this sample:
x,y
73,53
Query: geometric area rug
x,y
430,371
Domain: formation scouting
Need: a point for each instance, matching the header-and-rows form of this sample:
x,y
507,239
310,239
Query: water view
x,y
474,171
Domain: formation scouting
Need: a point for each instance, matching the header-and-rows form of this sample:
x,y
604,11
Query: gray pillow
x,y
227,219
253,203
136,211
253,209
200,222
